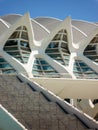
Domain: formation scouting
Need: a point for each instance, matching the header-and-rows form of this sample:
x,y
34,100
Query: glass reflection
x,y
18,45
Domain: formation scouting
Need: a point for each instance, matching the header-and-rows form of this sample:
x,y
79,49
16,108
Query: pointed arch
x,y
17,44
58,48
91,51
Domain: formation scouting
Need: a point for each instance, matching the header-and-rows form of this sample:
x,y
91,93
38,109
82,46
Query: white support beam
x,y
70,88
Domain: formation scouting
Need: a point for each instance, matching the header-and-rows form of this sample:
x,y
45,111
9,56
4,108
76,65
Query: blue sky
x,y
77,9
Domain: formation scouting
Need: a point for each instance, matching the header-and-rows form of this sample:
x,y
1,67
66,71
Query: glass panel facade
x,y
5,67
15,35
18,45
91,51
58,48
82,70
42,69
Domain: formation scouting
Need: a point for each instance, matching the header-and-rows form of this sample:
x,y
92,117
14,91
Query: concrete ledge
x,y
70,88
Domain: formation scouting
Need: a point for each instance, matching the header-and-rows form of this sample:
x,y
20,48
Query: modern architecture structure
x,y
50,55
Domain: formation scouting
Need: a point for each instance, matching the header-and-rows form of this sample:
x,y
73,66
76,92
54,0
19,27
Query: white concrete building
x,y
60,55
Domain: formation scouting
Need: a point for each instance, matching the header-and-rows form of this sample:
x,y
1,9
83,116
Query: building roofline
x,y
48,18
84,21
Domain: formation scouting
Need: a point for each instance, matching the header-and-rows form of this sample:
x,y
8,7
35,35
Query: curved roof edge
x,y
46,17
11,18
52,18
84,21
11,15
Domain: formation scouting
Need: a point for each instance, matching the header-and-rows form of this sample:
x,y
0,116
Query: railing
x,y
57,75
86,77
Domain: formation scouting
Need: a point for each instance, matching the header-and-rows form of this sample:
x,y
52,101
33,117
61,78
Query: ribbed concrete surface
x,y
32,109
